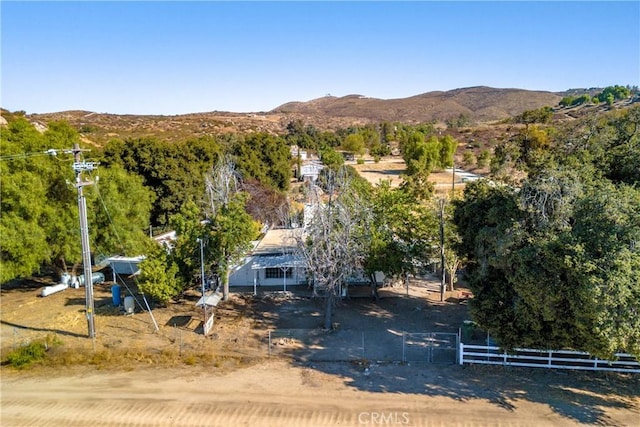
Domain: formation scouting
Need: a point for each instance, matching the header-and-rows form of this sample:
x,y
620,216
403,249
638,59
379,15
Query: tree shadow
x,y
371,359
33,284
578,396
51,330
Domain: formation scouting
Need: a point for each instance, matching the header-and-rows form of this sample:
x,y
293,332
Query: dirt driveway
x,y
135,375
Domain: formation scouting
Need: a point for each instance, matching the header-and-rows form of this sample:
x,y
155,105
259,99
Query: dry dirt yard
x,y
134,375
391,168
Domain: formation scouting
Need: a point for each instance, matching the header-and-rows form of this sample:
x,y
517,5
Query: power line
x,y
51,152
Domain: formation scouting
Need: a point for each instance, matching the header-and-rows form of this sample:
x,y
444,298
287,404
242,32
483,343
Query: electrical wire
x,y
51,152
115,231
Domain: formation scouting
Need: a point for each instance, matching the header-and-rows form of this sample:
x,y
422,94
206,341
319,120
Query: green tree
x,y
354,143
566,101
402,233
266,158
331,158
608,143
174,171
229,235
120,214
185,253
159,276
552,264
541,115
39,221
418,186
230,229
448,146
425,156
613,93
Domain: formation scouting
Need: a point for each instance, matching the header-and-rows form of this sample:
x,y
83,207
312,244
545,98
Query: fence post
x,y
550,357
458,341
461,352
404,353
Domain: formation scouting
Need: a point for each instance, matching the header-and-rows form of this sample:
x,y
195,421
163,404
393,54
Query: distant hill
x,y
479,105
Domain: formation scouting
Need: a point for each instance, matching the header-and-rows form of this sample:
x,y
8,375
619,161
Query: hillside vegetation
x,y
476,105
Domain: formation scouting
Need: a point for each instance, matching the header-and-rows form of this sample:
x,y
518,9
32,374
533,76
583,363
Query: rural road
x,y
271,394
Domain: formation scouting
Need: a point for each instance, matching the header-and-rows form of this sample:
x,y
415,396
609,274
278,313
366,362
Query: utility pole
x,y
444,269
79,166
453,180
199,240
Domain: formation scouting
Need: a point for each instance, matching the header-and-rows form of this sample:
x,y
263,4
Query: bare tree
x,y
334,241
221,184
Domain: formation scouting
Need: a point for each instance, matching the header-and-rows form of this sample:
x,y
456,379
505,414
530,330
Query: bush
x,y
484,159
33,352
468,158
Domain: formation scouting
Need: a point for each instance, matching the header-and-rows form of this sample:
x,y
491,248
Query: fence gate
x,y
430,347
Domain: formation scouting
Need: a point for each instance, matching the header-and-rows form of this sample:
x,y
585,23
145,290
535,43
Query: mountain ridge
x,y
478,104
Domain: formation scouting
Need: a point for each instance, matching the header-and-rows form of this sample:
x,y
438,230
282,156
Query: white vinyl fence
x,y
561,359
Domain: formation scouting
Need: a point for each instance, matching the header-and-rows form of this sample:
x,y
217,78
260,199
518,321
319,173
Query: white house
x,y
311,170
275,262
297,152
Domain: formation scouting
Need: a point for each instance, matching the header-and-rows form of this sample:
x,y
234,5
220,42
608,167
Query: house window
x,y
278,273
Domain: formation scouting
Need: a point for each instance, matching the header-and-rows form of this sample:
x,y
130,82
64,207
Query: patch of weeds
x,y
101,358
27,354
35,351
190,359
67,357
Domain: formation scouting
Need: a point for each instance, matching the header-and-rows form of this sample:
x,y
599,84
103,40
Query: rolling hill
x,y
479,105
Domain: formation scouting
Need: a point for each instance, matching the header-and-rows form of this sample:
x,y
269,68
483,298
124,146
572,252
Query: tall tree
x,y
553,264
402,233
264,157
230,228
39,221
174,171
335,241
354,143
229,236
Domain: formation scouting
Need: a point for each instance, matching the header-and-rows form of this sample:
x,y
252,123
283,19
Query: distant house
x,y
297,152
310,171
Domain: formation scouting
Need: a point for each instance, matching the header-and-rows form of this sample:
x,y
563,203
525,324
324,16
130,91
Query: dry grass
x,y
392,169
104,358
481,104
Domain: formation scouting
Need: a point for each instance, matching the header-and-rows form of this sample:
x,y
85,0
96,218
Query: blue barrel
x,y
115,294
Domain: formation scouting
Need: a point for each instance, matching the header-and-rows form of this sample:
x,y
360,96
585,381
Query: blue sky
x,y
183,57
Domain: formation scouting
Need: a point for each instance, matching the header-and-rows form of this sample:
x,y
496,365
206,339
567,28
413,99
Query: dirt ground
x,y
391,169
132,374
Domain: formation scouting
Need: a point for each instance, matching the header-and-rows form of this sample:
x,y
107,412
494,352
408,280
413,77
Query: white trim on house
x,y
276,250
